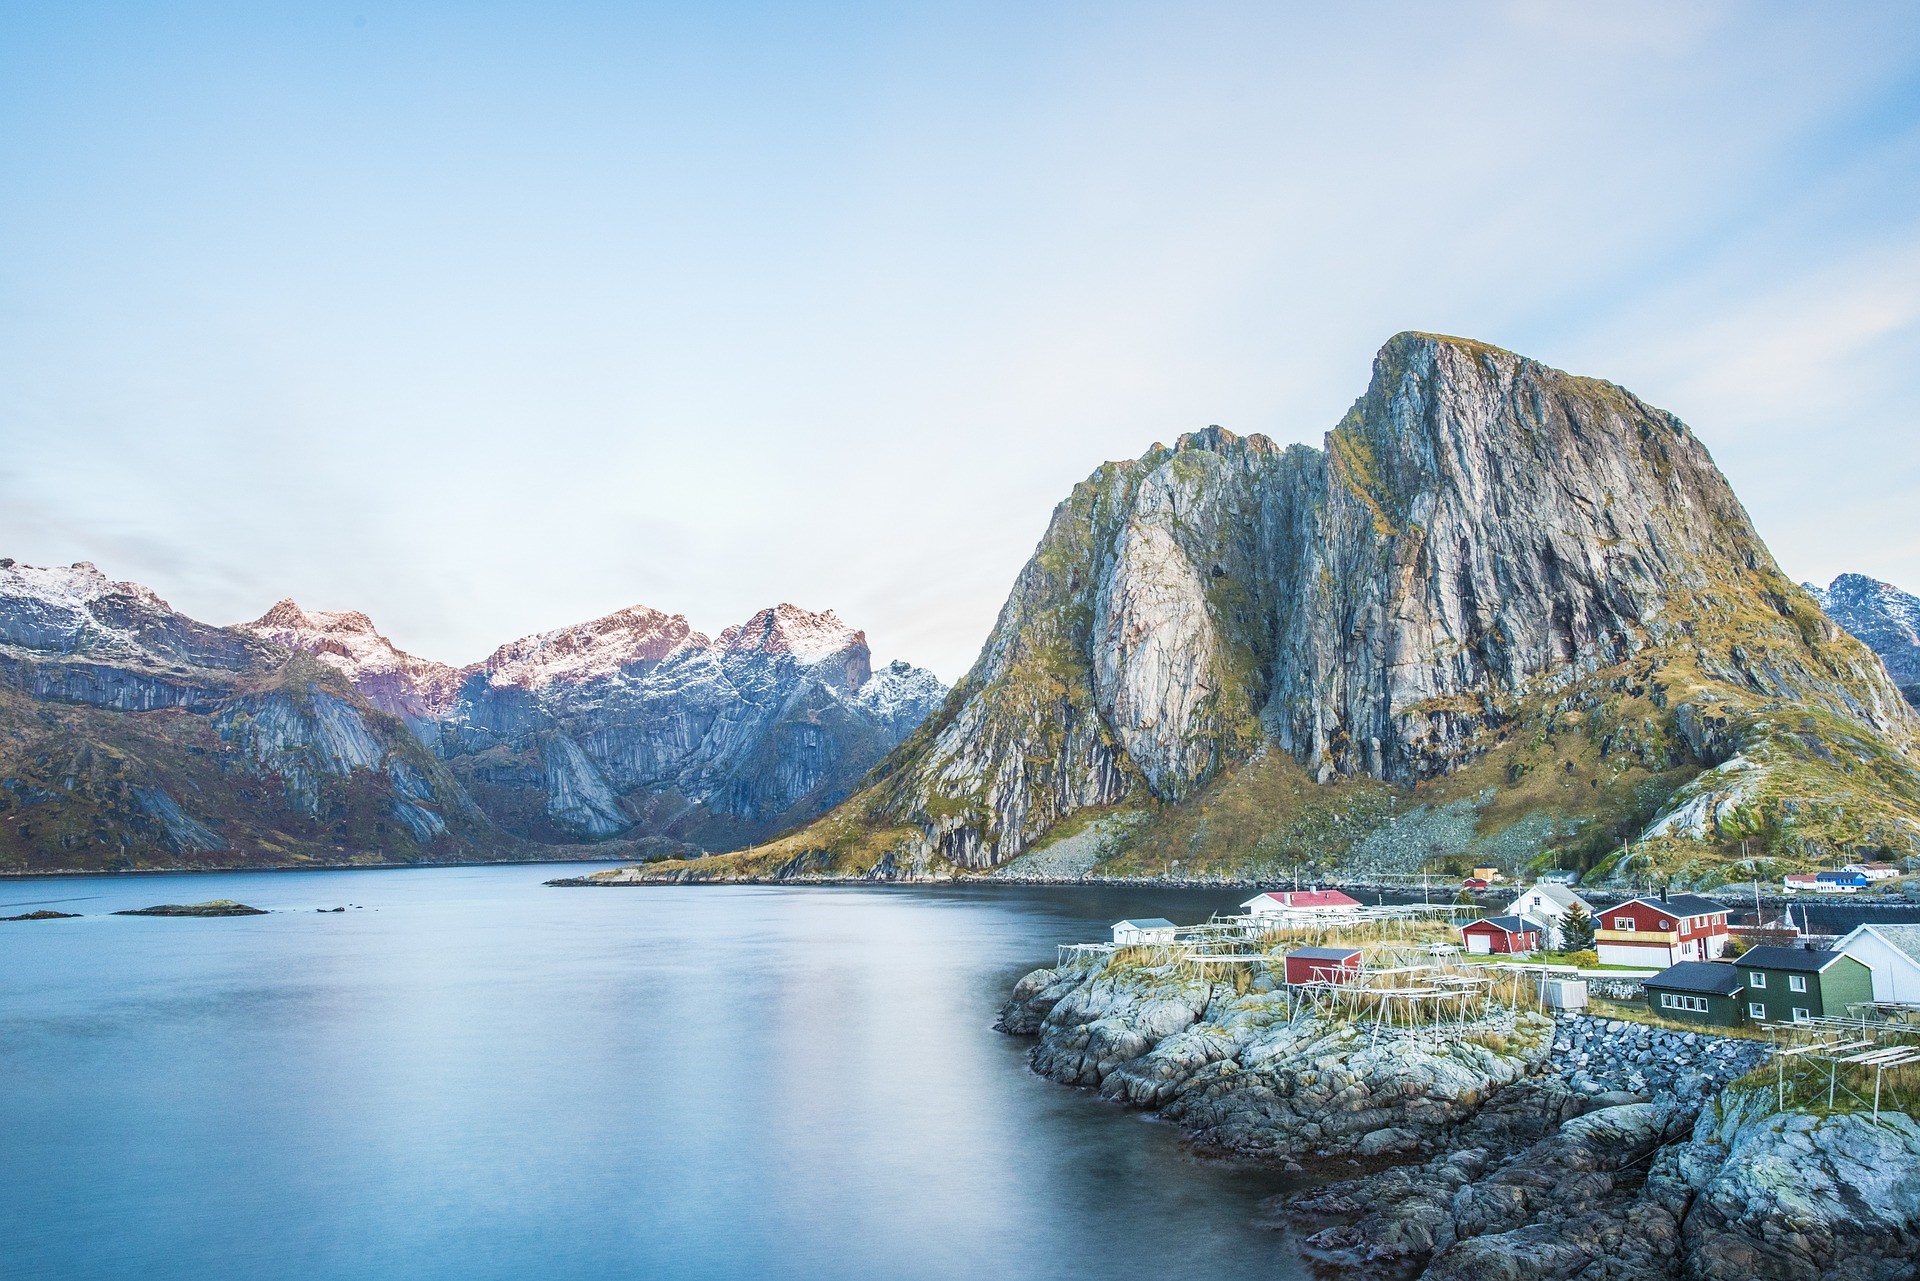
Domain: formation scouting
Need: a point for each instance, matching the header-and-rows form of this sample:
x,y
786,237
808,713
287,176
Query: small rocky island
x,y
212,907
1508,1143
42,915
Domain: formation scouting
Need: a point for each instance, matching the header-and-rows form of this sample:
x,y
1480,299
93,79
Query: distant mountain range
x,y
1504,615
132,735
1884,618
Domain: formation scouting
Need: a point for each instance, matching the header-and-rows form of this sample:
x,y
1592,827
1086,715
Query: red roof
x,y
1309,898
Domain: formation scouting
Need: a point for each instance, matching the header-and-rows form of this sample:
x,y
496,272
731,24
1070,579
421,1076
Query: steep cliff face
x,y
1885,619
637,725
1505,609
131,735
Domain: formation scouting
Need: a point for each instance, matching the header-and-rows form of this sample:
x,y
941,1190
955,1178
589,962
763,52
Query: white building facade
x,y
1892,952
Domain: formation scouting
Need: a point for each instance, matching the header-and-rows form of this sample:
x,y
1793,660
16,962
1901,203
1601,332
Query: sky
x,y
490,318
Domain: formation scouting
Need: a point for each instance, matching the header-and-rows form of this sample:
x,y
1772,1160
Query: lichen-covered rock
x,y
1034,997
1794,1197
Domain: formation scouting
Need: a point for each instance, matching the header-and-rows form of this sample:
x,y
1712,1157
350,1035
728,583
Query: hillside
x,y
1504,614
133,736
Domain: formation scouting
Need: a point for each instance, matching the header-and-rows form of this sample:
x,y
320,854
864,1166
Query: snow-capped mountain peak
x,y
635,637
788,629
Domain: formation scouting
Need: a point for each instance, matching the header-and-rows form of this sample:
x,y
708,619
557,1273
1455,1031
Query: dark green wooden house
x,y
1704,992
1792,984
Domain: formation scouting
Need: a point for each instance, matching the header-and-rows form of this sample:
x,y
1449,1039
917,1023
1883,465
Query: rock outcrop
x,y
1515,607
1243,1072
1792,1195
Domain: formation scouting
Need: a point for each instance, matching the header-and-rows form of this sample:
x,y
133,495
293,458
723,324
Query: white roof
x,y
1904,939
1562,896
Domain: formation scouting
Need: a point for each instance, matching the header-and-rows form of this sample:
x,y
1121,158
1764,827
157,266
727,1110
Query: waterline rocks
x,y
1587,1149
1244,1072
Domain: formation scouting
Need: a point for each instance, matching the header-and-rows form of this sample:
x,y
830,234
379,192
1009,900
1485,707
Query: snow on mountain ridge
x,y
70,587
1882,617
593,650
788,629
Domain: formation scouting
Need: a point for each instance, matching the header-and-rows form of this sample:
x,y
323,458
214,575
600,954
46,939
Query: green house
x,y
1704,992
1794,984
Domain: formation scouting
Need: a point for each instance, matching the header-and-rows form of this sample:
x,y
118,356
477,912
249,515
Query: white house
x,y
1152,929
1892,952
1301,903
1874,871
1549,903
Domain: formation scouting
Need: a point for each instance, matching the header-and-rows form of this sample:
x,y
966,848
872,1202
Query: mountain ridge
x,y
132,735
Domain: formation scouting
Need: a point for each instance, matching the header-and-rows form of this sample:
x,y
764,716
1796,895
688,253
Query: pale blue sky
x,y
490,318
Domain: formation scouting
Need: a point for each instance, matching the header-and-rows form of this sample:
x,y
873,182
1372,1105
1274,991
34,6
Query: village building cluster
x,y
1679,947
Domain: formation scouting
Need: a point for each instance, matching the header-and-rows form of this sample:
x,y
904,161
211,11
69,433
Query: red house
x,y
1507,934
1322,964
1660,932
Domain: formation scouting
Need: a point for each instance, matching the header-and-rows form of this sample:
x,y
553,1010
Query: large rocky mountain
x,y
636,725
1505,613
1884,618
132,735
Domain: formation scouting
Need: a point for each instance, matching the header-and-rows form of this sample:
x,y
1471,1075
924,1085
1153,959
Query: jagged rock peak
x,y
635,637
286,614
788,629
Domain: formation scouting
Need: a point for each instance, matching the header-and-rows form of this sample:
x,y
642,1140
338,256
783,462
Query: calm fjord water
x,y
475,1076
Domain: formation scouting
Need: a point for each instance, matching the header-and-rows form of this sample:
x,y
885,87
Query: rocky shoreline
x,y
1520,1147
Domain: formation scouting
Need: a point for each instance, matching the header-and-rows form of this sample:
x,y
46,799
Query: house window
x,y
1796,982
1756,979
1623,922
1670,1001
1755,1010
1800,1015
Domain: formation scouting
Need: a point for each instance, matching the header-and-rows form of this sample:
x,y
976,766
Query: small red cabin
x,y
1322,964
1510,934
1473,883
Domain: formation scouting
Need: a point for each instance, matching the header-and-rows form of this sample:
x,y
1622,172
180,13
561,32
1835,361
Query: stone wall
x,y
1597,1055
